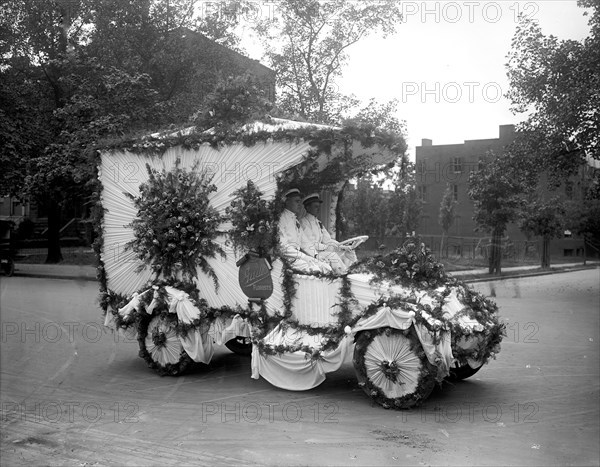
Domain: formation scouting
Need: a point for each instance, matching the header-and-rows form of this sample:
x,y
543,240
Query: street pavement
x,y
74,393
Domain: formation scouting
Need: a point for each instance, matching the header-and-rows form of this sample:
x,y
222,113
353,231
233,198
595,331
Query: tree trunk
x,y
496,252
546,252
442,246
54,253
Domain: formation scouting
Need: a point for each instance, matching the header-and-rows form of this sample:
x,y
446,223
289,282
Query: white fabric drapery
x,y
296,371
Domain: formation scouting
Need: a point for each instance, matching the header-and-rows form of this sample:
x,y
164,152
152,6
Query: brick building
x,y
450,164
439,166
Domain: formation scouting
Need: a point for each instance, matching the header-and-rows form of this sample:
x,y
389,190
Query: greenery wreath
x,y
427,376
410,265
171,369
175,227
252,219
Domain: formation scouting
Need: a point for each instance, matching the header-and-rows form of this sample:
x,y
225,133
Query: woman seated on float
x,y
291,237
317,241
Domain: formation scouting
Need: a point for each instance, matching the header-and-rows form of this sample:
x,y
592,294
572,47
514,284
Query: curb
x,y
529,274
54,276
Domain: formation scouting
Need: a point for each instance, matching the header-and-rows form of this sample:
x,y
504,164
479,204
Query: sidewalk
x,y
56,271
88,273
481,275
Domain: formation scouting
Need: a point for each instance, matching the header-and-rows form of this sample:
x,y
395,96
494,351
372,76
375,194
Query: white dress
x,y
291,240
317,242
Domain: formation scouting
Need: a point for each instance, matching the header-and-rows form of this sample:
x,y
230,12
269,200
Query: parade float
x,y
188,258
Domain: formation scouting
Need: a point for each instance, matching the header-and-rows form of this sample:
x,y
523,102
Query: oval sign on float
x,y
255,278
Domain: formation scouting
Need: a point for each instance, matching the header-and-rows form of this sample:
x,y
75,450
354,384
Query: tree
x,y
74,72
583,216
306,44
371,209
497,198
234,101
544,219
447,214
557,83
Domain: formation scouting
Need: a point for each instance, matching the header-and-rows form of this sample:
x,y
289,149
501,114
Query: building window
x,y
455,192
422,192
457,164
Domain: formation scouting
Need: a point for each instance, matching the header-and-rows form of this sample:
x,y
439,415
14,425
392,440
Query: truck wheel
x,y
160,346
240,345
462,372
392,368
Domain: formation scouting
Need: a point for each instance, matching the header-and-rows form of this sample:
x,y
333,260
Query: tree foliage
x,y
497,198
447,214
234,101
543,218
386,204
447,210
556,83
74,72
306,44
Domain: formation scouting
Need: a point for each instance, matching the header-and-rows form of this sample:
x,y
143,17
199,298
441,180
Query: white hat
x,y
292,192
313,197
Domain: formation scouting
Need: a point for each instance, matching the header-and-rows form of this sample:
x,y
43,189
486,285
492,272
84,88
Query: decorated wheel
x,y
160,346
240,345
463,372
392,368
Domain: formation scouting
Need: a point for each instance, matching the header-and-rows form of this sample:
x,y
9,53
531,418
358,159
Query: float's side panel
x,y
231,167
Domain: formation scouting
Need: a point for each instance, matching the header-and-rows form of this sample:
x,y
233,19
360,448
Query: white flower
x,y
347,329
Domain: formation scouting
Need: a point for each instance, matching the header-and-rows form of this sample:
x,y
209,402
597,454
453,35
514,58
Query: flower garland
x,y
427,376
410,265
175,226
252,221
172,369
321,138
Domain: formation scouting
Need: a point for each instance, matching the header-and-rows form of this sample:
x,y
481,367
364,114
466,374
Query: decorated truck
x,y
189,257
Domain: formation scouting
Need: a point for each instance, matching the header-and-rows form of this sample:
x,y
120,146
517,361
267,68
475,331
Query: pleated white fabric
x,y
316,300
231,167
393,349
170,352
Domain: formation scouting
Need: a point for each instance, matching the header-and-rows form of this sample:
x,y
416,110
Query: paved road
x,y
73,394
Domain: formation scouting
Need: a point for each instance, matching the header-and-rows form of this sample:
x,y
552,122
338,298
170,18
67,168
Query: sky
x,y
446,64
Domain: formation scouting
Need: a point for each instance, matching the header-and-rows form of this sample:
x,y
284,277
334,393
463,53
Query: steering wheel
x,y
355,241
